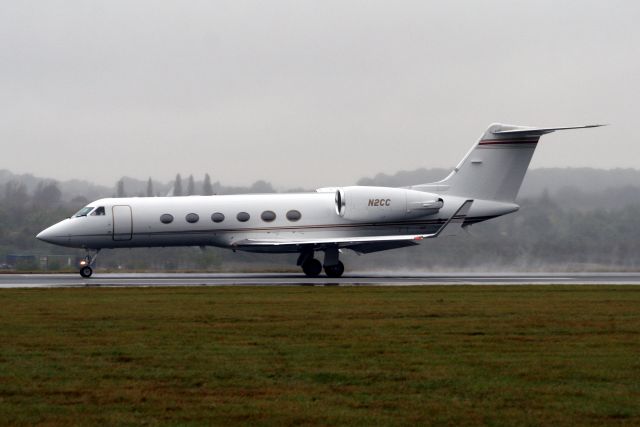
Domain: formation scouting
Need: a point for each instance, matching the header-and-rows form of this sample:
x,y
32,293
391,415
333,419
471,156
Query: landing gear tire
x,y
312,267
86,272
87,262
334,270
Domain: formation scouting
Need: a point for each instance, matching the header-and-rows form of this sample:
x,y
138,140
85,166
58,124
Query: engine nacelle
x,y
384,203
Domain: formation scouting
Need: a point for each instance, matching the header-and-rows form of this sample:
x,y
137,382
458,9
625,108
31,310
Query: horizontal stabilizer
x,y
522,130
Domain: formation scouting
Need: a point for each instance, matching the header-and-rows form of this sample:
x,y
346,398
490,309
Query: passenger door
x,y
122,222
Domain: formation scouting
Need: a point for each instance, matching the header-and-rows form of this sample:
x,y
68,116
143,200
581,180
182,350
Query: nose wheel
x,y
86,272
87,262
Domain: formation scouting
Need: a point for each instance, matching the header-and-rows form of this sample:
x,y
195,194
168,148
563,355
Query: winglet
x,y
454,224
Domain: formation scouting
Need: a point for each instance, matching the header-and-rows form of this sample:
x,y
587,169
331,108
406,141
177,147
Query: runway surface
x,y
294,279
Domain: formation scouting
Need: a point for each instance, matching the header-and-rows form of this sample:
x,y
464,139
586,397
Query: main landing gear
x,y
311,267
86,263
334,270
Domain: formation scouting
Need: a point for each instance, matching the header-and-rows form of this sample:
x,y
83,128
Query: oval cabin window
x,y
166,218
217,217
192,218
243,217
268,216
294,215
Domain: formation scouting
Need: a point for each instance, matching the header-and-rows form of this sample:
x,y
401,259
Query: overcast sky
x,y
309,93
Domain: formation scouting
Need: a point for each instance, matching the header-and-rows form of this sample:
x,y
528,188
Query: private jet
x,y
364,219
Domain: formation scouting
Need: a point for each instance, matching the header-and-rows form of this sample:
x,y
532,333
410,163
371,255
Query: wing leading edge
x,y
452,226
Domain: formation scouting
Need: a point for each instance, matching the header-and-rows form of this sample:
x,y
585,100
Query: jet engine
x,y
361,203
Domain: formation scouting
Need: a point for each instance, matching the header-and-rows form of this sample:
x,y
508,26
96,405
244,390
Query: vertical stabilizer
x,y
495,166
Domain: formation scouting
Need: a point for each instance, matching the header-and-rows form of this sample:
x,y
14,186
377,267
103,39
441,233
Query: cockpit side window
x,y
99,211
84,211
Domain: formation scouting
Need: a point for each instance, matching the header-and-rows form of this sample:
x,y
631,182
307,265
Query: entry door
x,y
122,223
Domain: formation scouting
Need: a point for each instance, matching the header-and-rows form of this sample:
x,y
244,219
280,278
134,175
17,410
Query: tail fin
x,y
495,166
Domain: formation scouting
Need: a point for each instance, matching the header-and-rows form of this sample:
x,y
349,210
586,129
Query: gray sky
x,y
308,93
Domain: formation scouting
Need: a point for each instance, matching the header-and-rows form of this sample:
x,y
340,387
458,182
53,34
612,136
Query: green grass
x,y
321,355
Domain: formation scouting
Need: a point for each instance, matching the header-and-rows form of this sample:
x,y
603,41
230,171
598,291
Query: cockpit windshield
x,y
84,211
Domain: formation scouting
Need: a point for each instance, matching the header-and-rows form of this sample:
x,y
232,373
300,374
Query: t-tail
x,y
495,166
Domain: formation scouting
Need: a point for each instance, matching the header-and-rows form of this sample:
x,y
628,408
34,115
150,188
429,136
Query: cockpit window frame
x,y
99,211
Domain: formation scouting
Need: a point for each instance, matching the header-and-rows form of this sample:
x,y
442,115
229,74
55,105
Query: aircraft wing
x,y
451,227
367,248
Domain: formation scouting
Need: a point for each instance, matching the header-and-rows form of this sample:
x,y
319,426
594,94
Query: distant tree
x,y
15,194
79,201
47,194
149,188
217,187
177,186
261,187
120,189
207,188
191,186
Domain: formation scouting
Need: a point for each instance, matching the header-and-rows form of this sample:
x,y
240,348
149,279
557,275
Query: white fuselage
x,y
136,221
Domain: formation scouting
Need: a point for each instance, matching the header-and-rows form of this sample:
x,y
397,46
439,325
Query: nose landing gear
x,y
86,263
86,271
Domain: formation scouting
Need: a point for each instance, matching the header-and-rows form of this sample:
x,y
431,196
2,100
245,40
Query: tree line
x,y
206,189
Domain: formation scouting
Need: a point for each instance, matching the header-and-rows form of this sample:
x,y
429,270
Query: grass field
x,y
321,355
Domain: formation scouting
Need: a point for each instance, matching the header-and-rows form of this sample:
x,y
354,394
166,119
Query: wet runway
x,y
296,279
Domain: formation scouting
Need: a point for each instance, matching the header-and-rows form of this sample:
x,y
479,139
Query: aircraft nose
x,y
46,235
53,235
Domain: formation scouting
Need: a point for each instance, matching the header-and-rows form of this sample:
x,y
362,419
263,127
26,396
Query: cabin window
x,y
84,211
243,217
192,218
99,211
166,218
217,217
268,216
294,215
